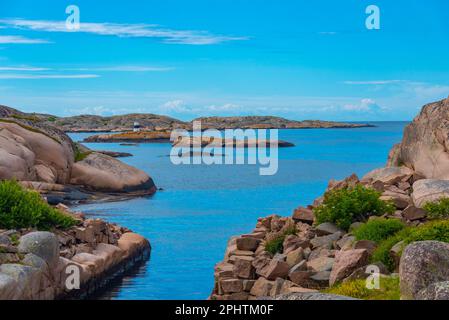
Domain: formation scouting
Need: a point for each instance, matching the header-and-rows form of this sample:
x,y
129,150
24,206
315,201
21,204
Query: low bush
x,y
378,229
438,209
435,230
344,206
20,208
275,242
389,289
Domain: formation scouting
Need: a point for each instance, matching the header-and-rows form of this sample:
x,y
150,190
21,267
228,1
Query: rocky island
x,y
394,223
152,122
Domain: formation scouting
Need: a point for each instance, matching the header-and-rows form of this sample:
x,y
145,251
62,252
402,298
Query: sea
x,y
199,207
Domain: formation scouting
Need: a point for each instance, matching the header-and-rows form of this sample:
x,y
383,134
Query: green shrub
x,y
20,208
438,209
434,230
378,229
275,244
389,289
345,206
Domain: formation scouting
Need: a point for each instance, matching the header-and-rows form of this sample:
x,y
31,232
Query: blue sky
x,y
292,58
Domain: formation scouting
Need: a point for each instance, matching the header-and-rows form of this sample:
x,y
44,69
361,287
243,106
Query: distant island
x,y
152,122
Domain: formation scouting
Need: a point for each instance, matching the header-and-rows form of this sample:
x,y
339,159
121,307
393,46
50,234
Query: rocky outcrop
x,y
100,172
429,190
265,122
152,122
311,258
44,158
93,123
132,137
66,264
424,265
425,144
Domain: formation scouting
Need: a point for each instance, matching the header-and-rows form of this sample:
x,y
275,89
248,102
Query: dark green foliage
x,y
275,245
378,229
434,230
438,209
20,208
345,206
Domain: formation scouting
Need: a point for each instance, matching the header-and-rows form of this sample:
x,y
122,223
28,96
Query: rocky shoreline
x,y
53,170
303,258
37,265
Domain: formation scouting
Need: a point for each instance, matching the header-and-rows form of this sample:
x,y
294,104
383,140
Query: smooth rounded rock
x,y
43,244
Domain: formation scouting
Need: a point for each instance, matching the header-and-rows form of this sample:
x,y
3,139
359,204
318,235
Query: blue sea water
x,y
201,207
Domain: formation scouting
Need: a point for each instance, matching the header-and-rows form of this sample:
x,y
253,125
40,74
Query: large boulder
x,y
389,175
32,155
347,262
43,244
429,190
423,264
425,143
100,172
436,291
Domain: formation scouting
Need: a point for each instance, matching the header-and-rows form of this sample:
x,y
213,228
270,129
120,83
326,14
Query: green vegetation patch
x,y
80,155
389,289
20,208
435,230
378,229
345,206
438,209
275,245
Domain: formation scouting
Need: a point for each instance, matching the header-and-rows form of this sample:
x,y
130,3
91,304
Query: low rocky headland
x,y
152,122
44,158
41,244
393,224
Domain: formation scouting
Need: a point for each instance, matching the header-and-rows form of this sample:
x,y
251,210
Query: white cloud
x,y
365,105
125,30
47,76
374,82
20,40
23,68
125,69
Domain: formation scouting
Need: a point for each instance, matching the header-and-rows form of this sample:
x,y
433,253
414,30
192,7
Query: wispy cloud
x,y
21,40
374,82
23,68
47,76
191,37
125,69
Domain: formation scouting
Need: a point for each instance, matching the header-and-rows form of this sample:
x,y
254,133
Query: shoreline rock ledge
x,y
69,264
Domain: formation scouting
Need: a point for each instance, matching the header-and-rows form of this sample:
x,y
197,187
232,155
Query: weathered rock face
x,y
425,144
42,157
423,264
33,156
103,173
429,190
40,266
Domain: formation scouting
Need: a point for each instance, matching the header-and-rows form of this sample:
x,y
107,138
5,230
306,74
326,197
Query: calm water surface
x,y
190,221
